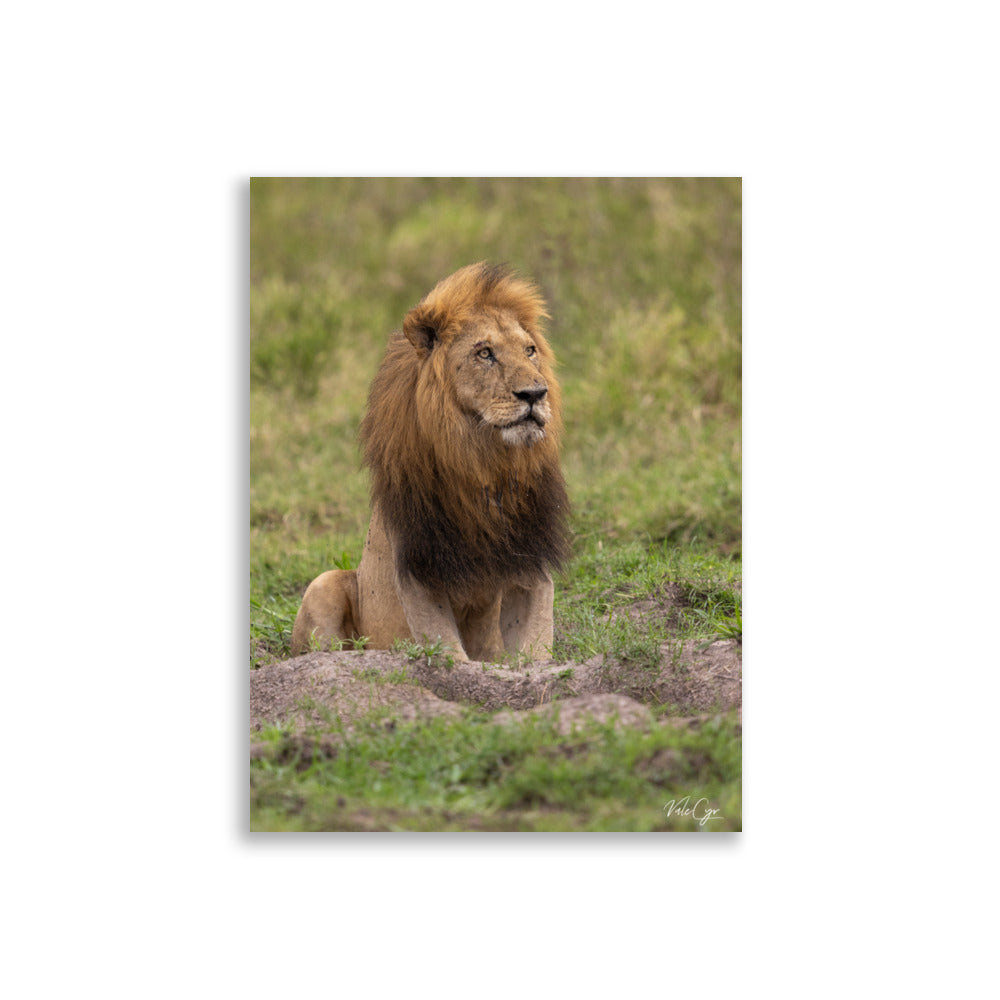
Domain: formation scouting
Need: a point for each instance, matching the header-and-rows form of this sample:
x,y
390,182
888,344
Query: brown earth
x,y
306,690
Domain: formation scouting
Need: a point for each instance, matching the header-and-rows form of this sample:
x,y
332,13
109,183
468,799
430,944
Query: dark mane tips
x,y
492,275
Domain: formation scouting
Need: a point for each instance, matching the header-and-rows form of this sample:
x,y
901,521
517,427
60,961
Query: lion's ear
x,y
421,327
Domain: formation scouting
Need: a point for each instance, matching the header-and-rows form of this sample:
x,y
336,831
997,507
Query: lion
x,y
468,502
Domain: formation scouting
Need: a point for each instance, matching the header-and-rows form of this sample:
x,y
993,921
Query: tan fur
x,y
468,502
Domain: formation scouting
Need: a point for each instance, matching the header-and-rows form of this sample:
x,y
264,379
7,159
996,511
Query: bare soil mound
x,y
310,689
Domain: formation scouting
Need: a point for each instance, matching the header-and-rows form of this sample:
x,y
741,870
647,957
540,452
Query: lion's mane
x,y
466,511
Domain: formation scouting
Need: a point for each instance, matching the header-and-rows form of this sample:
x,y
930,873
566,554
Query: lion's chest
x,y
503,532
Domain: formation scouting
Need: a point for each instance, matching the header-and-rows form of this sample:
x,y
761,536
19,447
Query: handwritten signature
x,y
700,811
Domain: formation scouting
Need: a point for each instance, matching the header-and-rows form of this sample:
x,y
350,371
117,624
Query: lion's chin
x,y
523,434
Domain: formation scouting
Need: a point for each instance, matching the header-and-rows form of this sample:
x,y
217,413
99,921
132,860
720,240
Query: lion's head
x,y
462,433
492,359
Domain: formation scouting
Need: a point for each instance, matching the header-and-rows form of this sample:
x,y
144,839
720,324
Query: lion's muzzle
x,y
529,425
533,395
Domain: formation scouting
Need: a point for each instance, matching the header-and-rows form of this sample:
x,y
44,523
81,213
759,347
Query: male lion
x,y
468,502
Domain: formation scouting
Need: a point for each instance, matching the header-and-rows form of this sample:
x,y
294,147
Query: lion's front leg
x,y
526,619
479,625
429,615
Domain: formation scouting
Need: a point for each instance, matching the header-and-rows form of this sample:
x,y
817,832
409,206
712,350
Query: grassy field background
x,y
643,281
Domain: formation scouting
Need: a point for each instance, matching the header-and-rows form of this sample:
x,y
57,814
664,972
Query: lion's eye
x,y
486,354
530,350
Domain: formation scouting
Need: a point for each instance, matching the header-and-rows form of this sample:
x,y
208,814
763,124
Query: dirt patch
x,y
667,601
312,689
692,678
309,690
572,713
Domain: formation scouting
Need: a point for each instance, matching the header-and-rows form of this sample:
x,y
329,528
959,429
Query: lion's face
x,y
500,380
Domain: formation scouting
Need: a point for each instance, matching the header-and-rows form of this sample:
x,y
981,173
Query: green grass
x,y
699,594
643,282
471,774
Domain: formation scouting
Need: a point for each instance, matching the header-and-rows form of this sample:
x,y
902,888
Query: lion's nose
x,y
532,395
